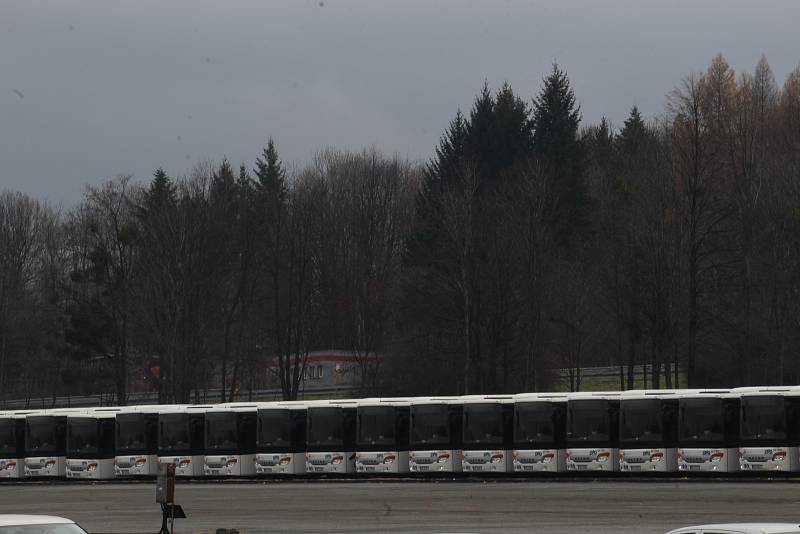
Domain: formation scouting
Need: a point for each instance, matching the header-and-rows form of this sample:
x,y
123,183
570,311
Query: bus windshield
x,y
641,422
131,433
430,426
9,441
326,429
376,426
221,431
44,435
275,431
82,436
701,421
589,422
764,419
483,425
535,425
174,433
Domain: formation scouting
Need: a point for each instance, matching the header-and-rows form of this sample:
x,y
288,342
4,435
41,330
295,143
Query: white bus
x,y
488,433
136,442
769,428
435,440
90,444
382,427
281,438
708,431
648,437
593,432
12,442
46,443
230,440
331,437
540,432
180,438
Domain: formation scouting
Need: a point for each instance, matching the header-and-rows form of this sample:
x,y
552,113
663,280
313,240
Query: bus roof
x,y
541,397
487,399
706,393
767,390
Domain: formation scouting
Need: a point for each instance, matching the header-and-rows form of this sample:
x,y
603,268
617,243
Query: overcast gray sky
x,y
96,88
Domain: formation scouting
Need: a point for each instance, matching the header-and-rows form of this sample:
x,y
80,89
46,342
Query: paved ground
x,y
616,507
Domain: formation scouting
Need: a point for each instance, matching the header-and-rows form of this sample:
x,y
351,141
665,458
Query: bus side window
x,y
403,426
248,433
196,424
151,432
298,429
732,420
349,428
613,411
456,424
793,419
107,436
508,426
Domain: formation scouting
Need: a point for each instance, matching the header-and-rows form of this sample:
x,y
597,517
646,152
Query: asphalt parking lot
x,y
598,507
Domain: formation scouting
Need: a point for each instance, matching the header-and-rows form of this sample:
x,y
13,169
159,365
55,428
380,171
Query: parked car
x,y
37,524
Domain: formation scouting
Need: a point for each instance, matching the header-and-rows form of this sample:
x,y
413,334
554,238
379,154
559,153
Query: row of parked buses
x,y
743,429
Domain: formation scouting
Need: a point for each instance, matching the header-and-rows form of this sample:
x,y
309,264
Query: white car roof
x,y
741,528
14,520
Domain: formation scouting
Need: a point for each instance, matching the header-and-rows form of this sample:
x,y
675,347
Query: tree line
x,y
531,244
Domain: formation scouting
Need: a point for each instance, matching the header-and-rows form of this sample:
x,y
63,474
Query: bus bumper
x,y
647,460
135,466
435,461
604,460
782,459
279,463
488,461
382,462
709,460
330,462
45,466
88,469
185,466
539,460
228,465
11,467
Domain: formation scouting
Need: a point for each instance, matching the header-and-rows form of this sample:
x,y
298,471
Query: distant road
x,y
607,507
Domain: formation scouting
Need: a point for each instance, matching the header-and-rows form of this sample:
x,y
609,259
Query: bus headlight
x,y
602,456
778,456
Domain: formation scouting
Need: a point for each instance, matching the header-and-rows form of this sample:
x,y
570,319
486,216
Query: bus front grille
x,y
635,459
